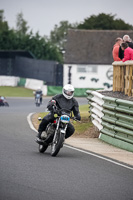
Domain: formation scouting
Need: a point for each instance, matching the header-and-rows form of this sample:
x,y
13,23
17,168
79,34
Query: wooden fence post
x,y
123,77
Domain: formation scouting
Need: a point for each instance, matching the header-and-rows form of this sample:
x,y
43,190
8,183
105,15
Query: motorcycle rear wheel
x,y
37,104
56,146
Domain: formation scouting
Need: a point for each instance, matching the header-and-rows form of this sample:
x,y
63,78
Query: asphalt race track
x,y
25,174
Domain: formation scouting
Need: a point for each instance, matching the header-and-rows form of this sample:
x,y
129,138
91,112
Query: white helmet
x,y
68,91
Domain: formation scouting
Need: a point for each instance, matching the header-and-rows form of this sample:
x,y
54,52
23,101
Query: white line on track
x,y
30,123
101,157
80,150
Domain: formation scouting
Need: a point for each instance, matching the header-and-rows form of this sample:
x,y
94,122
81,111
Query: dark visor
x,y
69,93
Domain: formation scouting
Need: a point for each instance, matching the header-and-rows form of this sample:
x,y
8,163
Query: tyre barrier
x,y
114,119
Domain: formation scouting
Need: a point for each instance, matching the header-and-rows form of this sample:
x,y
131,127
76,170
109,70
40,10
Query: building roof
x,y
91,46
14,53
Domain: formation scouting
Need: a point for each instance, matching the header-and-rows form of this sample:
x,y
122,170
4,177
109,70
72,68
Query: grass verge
x,y
9,91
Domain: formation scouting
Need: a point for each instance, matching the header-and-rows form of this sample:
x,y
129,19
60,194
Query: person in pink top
x,y
115,52
128,52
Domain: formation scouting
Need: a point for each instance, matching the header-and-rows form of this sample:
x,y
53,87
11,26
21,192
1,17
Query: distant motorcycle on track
x,y
37,100
3,102
38,97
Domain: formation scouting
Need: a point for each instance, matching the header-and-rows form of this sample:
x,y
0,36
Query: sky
x,y
43,15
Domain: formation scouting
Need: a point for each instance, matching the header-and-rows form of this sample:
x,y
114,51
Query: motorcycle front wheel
x,y
6,104
57,144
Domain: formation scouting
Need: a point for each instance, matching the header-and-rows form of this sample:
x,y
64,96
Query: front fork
x,y
62,131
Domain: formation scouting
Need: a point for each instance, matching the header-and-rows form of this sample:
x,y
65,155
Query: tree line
x,y
52,47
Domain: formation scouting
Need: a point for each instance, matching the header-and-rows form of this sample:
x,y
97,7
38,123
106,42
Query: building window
x,y
87,68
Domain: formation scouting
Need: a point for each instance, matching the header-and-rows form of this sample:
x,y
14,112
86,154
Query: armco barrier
x,y
114,119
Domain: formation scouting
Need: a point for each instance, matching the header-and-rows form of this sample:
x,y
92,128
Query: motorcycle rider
x,y
39,92
1,101
66,101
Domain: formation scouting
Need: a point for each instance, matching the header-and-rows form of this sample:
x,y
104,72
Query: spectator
x,y
128,40
128,52
115,52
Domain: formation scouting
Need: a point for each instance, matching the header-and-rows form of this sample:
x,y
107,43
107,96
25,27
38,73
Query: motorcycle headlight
x,y
65,119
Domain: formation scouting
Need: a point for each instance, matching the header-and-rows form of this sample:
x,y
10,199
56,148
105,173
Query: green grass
x,y
8,91
84,110
86,123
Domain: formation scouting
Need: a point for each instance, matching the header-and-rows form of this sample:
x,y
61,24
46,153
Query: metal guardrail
x,y
114,119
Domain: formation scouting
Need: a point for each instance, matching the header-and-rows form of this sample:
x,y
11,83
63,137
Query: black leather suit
x,y
61,102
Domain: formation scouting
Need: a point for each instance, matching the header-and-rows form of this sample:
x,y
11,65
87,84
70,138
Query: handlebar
x,y
59,112
75,119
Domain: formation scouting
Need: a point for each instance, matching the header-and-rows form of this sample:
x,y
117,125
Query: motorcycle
x,y
3,102
6,104
37,100
55,132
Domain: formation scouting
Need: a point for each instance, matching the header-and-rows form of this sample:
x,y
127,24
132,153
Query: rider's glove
x,y
51,104
78,117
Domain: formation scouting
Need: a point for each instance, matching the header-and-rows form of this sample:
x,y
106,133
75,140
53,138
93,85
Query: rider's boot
x,y
39,139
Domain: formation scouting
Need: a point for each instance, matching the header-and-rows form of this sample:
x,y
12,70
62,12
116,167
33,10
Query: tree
x,y
58,35
3,24
21,25
20,39
104,22
7,36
